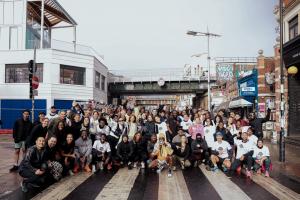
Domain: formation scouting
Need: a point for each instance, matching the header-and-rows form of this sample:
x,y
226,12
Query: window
x,y
13,38
72,75
103,83
97,80
293,27
19,73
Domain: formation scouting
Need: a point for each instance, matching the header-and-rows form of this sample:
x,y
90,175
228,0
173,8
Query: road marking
x,y
119,186
62,188
278,190
224,186
173,187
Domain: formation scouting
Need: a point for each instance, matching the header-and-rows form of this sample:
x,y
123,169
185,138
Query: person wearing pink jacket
x,y
196,128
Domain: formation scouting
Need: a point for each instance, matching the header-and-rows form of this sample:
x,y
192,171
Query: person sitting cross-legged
x,y
221,153
83,150
33,167
164,152
124,152
261,156
182,153
101,154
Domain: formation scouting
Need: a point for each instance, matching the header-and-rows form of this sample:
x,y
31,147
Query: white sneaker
x,y
93,168
71,173
143,165
134,165
169,173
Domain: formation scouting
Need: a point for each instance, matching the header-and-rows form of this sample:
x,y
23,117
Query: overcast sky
x,y
152,33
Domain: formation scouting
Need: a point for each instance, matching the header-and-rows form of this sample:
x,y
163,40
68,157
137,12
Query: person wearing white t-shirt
x,y
261,156
209,131
186,123
220,153
101,154
160,127
251,137
243,154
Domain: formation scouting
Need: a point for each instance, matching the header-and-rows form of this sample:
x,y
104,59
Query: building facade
x,y
66,71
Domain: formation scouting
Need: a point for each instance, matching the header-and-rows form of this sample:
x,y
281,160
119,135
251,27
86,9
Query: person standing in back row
x,y
256,123
21,131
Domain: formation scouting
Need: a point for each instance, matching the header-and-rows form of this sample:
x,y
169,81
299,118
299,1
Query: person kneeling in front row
x,y
101,154
164,152
33,167
124,152
261,156
221,153
83,150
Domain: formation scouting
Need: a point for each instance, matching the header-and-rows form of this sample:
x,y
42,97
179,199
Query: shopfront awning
x,y
239,103
291,52
223,106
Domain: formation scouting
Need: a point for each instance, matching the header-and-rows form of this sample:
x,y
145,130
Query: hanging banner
x,y
224,72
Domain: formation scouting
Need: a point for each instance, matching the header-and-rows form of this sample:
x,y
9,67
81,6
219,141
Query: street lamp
x,y
208,35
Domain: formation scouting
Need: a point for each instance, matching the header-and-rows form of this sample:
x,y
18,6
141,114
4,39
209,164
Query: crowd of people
x,y
66,142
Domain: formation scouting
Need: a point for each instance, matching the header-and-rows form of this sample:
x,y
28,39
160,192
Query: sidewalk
x,y
287,173
8,181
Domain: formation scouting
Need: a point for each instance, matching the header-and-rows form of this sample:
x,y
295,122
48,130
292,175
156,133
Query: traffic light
x,y
30,68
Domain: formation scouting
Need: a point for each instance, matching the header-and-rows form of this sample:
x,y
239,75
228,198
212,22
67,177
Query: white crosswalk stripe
x,y
119,186
224,186
174,187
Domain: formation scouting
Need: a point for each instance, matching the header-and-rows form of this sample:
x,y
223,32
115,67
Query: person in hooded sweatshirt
x,y
39,130
125,152
163,153
161,128
199,150
243,154
256,123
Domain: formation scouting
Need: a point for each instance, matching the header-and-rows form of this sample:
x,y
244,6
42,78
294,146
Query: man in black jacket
x,y
33,167
199,150
256,123
21,131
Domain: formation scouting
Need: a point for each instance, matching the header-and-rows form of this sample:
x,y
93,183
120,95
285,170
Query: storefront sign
x,y
248,89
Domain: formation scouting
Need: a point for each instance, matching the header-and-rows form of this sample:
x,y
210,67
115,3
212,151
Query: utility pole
x,y
282,119
208,35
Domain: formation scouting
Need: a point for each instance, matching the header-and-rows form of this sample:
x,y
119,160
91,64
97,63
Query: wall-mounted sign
x,y
161,82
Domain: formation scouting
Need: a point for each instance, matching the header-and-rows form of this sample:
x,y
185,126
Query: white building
x,y
67,71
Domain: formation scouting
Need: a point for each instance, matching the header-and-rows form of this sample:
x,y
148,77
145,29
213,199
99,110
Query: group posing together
x,y
64,143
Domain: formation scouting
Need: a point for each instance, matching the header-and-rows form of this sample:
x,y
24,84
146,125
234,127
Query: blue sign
x,y
248,85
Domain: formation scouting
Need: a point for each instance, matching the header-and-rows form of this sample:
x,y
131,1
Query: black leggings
x,y
30,177
248,161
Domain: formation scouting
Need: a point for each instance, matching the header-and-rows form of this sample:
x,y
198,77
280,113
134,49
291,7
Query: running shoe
x,y
14,168
143,165
24,187
215,169
169,173
267,174
248,173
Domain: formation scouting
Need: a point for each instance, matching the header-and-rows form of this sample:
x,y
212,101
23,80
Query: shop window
x,y
103,83
19,73
293,27
72,75
97,80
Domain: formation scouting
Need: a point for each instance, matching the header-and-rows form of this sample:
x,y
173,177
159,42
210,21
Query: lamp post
x,y
208,35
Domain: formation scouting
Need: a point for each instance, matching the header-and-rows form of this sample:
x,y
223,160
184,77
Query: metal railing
x,y
154,74
66,46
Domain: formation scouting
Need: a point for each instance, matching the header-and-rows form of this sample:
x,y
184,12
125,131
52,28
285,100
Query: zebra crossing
x,y
137,184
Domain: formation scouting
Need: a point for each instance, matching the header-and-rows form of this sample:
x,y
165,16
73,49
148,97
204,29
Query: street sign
x,y
248,89
35,82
